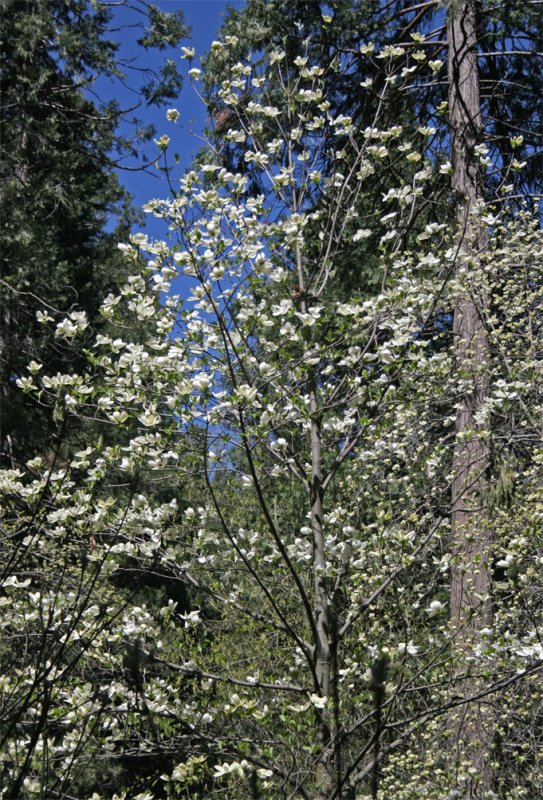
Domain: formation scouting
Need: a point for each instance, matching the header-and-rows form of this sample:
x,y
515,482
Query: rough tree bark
x,y
470,591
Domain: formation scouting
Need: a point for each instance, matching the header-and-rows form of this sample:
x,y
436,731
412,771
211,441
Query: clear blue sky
x,y
204,17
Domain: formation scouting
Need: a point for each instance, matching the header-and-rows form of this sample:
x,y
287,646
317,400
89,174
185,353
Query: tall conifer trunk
x,y
470,592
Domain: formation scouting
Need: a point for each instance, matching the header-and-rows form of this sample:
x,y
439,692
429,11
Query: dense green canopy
x,y
63,207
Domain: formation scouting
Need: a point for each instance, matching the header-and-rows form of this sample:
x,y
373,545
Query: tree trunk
x,y
470,591
323,650
323,618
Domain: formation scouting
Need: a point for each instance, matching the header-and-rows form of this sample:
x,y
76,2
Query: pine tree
x,y
60,192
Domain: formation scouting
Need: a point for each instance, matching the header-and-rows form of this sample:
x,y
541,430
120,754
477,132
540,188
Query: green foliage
x,y
60,193
239,585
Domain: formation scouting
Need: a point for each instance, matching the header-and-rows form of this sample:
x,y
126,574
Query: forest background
x,y
271,470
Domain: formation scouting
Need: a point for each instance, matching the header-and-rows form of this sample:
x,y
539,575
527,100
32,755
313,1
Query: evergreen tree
x,y
60,193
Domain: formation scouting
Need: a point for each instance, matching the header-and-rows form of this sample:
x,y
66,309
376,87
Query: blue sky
x,y
204,17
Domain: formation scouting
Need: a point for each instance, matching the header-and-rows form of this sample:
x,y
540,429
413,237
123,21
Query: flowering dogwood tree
x,y
287,459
